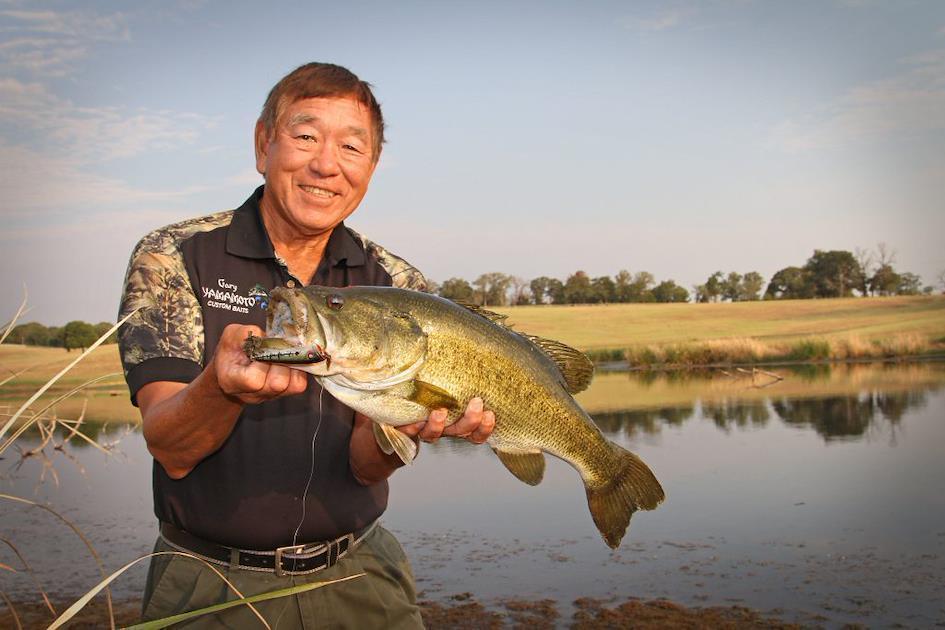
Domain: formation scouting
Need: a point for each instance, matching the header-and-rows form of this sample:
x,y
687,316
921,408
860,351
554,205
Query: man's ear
x,y
261,144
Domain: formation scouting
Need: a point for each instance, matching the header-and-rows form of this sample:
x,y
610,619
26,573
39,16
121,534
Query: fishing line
x,y
311,474
308,484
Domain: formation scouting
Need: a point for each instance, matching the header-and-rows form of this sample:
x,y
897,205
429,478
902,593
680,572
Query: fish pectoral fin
x,y
528,466
432,397
390,440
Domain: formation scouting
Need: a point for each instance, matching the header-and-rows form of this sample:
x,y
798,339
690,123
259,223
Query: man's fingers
x,y
469,422
484,430
299,382
433,428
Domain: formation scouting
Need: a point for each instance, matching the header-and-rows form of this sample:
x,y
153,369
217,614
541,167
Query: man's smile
x,y
318,192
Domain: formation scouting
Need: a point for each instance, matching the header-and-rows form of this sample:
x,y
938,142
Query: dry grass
x,y
624,325
744,351
107,400
743,332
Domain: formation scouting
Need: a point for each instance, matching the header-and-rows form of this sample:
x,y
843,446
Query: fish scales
x,y
492,368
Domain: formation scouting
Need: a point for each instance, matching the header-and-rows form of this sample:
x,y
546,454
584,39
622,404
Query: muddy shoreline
x,y
465,611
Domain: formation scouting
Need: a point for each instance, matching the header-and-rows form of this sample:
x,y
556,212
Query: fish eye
x,y
335,301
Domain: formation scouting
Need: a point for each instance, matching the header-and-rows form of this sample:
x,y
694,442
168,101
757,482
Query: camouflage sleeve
x,y
402,273
167,323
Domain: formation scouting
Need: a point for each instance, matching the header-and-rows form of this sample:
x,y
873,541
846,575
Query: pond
x,y
816,497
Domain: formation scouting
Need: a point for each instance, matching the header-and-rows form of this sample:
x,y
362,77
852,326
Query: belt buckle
x,y
295,549
335,551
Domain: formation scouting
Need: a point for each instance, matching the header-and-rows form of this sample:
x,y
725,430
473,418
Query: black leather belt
x,y
290,560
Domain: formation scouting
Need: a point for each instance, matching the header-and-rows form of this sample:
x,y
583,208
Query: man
x,y
256,470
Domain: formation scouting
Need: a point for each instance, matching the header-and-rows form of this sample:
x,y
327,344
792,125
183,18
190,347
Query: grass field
x,y
108,398
799,329
856,327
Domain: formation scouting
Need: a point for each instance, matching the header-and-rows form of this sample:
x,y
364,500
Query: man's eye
x,y
305,137
351,147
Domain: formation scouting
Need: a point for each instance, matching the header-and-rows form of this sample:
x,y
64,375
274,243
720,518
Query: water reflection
x,y
841,417
741,414
646,421
838,402
845,417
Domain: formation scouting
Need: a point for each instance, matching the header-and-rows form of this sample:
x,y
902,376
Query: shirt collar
x,y
247,237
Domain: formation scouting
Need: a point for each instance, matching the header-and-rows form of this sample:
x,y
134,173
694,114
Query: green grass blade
x,y
285,592
51,381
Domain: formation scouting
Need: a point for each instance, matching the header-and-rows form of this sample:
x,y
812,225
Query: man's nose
x,y
325,160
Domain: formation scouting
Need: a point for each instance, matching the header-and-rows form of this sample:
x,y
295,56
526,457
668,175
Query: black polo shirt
x,y
189,281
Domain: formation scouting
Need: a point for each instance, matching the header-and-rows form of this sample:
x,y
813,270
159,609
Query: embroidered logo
x,y
261,296
224,296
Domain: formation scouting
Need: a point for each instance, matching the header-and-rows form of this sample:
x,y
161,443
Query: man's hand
x,y
475,425
370,465
251,381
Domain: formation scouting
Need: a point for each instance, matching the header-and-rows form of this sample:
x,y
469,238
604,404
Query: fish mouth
x,y
295,333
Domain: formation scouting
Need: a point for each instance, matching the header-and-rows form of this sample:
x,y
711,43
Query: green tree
x,y
622,286
30,334
556,291
909,284
456,289
714,286
834,273
541,289
521,293
640,289
491,289
56,337
752,283
577,288
669,291
101,328
790,283
78,334
885,281
603,290
732,286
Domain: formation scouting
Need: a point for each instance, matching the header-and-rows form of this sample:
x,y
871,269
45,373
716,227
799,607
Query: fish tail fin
x,y
633,487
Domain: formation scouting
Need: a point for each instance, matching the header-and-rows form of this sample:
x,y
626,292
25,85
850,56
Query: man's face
x,y
317,165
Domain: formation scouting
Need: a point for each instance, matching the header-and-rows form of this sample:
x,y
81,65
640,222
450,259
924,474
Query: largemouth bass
x,y
394,355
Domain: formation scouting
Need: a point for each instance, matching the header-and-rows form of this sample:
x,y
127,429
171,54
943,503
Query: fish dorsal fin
x,y
492,316
574,365
526,465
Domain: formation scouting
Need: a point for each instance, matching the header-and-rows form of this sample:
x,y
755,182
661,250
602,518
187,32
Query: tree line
x,y
840,273
499,289
826,274
74,335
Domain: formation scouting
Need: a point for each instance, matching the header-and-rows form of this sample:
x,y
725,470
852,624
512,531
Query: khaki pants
x,y
384,597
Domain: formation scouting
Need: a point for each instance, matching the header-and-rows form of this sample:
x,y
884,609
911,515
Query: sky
x,y
531,138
